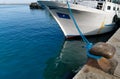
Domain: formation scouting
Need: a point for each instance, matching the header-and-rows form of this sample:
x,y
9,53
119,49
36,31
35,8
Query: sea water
x,y
32,46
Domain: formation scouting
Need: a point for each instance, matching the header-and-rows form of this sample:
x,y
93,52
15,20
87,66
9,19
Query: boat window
x,y
108,7
114,8
117,8
99,6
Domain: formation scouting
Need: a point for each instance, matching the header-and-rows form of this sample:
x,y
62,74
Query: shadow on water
x,y
71,58
67,62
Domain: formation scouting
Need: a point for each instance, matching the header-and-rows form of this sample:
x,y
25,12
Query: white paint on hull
x,y
91,21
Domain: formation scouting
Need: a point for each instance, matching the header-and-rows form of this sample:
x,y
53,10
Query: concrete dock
x,y
94,72
115,41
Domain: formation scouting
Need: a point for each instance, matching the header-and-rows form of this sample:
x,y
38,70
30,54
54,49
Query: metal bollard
x,y
105,63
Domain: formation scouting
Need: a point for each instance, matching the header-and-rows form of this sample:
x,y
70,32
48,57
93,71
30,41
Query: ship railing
x,y
88,3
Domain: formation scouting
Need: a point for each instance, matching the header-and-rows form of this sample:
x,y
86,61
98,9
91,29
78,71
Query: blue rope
x,y
83,37
88,44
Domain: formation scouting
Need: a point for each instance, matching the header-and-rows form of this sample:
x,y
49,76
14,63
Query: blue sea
x,y
32,46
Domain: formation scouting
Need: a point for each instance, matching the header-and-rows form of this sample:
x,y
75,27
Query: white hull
x,y
90,21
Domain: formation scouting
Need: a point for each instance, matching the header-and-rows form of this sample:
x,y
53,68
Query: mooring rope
x,y
71,14
88,44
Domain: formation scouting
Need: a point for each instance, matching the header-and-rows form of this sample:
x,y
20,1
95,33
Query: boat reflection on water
x,y
64,66
71,58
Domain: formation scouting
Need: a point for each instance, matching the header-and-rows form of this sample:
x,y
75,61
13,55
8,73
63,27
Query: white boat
x,y
92,16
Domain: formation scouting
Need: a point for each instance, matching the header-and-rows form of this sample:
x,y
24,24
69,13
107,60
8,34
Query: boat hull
x,y
90,21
